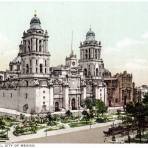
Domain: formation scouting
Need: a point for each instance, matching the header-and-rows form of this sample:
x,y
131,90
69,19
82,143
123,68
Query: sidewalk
x,y
42,133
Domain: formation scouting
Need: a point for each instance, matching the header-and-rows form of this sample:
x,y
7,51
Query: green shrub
x,y
78,124
100,120
51,123
61,126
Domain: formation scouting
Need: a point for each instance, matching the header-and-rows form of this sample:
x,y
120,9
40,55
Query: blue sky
x,y
122,27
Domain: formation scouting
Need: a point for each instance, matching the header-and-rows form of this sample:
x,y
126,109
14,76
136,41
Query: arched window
x,y
40,46
26,83
96,53
41,68
89,54
45,63
96,71
28,45
27,68
85,72
86,54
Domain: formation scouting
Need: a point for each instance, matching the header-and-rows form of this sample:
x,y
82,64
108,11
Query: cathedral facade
x,y
32,86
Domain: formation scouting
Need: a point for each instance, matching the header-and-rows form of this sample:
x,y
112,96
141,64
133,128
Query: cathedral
x,y
32,86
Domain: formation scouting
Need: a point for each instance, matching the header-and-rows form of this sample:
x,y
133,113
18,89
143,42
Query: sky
x,y
122,27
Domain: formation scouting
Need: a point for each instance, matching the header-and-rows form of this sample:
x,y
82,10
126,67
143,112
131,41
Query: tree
x,y
2,124
138,112
145,99
100,107
33,127
86,115
130,108
89,103
49,118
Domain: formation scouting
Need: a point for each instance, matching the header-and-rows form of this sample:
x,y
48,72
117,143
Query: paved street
x,y
93,135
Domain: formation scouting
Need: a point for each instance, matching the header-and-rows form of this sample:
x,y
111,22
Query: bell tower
x,y
90,53
34,50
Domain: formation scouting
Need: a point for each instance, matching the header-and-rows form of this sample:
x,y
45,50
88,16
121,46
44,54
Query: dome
x,y
35,23
90,35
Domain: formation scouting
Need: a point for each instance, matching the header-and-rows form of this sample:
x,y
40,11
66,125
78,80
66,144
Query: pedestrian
x,y
129,139
104,139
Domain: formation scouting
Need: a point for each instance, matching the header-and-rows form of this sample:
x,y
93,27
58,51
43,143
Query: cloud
x,y
145,35
131,55
7,51
127,43
137,64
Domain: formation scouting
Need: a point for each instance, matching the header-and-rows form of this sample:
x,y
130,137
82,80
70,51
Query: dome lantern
x,y
90,35
35,22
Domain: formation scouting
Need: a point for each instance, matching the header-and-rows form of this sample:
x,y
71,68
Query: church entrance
x,y
73,104
57,108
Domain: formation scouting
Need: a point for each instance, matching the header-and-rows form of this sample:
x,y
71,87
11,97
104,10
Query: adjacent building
x,y
120,89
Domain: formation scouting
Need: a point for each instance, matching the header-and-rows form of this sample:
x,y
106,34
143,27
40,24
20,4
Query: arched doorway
x,y
25,108
73,104
57,108
44,109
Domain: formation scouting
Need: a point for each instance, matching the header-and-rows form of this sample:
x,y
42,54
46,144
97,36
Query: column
x,y
51,99
33,65
26,45
81,54
83,93
91,53
42,45
36,44
66,95
105,95
96,91
46,45
33,44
